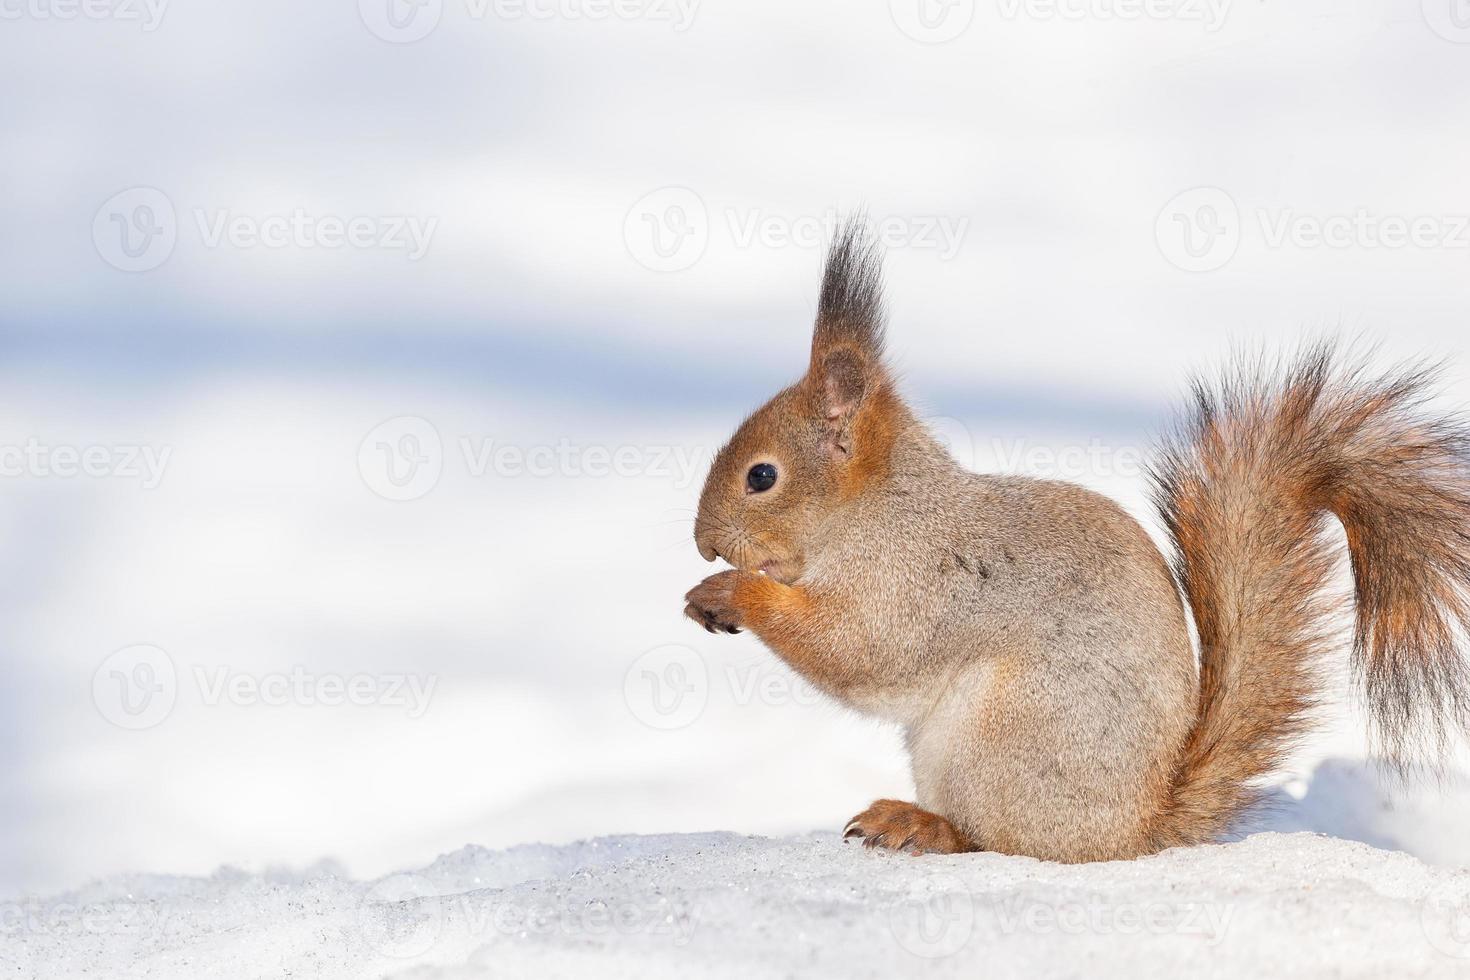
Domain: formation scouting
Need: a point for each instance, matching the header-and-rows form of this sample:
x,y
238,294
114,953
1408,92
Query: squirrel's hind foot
x,y
903,826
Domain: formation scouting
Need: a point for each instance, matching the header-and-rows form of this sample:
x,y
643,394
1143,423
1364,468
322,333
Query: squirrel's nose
x,y
706,547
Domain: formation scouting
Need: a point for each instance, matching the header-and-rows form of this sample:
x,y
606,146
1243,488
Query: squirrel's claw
x,y
898,826
711,603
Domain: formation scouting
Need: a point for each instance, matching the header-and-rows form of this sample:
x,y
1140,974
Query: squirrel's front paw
x,y
711,603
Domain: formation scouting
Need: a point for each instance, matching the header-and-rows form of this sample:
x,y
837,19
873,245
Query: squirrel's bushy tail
x,y
1247,488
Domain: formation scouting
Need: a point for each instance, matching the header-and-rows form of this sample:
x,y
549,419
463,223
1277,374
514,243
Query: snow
x,y
725,905
722,904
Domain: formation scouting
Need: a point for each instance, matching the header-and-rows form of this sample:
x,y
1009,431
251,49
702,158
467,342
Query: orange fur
x,y
901,826
797,626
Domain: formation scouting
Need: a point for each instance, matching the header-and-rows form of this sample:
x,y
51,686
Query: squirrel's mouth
x,y
748,556
771,568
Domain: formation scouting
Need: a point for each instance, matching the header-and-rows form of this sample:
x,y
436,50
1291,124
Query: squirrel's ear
x,y
840,382
847,344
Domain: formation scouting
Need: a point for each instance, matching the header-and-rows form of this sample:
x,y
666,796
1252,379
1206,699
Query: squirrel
x,y
1030,637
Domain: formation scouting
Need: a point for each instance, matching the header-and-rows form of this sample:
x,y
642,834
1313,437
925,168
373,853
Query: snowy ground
x,y
724,905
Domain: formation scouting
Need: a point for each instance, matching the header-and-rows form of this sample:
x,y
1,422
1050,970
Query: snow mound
x,y
723,905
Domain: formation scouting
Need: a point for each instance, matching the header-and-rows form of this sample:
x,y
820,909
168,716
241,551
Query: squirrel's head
x,y
818,443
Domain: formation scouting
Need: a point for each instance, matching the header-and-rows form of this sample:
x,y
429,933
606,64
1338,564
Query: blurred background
x,y
360,362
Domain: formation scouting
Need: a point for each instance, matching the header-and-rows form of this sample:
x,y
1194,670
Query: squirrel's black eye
x,y
762,477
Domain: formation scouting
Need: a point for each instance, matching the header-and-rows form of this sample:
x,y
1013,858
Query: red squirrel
x,y
1029,636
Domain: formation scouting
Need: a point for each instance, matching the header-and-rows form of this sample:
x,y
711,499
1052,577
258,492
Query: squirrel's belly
x,y
935,736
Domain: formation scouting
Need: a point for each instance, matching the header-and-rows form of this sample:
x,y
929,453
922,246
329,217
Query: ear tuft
x,y
850,309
